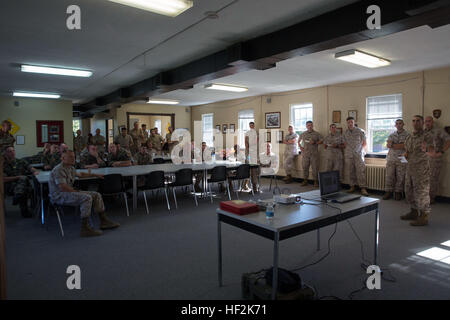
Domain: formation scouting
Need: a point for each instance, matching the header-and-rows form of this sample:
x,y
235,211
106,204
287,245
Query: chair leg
x,y
228,189
175,198
145,200
195,195
210,193
251,187
126,203
237,189
270,187
59,221
167,199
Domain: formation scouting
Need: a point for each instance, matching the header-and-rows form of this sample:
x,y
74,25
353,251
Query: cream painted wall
x,y
30,110
421,93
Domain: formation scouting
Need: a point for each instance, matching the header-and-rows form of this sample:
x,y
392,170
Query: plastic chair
x,y
218,175
242,173
183,177
158,161
111,185
154,180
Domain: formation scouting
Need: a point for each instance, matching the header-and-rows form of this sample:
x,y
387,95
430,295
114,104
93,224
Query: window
x,y
300,114
382,111
158,125
76,125
245,117
207,129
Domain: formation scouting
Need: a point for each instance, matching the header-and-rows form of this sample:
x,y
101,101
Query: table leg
x,y
275,265
377,228
219,250
318,239
134,193
42,203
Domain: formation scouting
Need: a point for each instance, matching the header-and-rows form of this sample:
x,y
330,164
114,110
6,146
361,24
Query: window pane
x,y
76,125
300,114
245,117
208,135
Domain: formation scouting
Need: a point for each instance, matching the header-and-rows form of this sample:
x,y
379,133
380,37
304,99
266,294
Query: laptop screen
x,y
328,182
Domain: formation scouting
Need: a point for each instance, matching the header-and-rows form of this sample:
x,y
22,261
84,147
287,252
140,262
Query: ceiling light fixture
x,y
226,87
362,58
162,101
36,95
171,8
56,71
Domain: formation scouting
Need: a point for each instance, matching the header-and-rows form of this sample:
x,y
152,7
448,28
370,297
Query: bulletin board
x,y
49,132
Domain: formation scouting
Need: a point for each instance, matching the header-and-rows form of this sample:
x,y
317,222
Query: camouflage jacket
x,y
87,159
18,167
413,145
143,159
120,155
51,160
6,140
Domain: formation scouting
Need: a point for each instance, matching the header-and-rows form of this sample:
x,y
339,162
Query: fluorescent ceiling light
x,y
160,101
225,87
56,71
36,95
362,58
170,8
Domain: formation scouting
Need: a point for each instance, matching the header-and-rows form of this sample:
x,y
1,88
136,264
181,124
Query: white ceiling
x,y
123,45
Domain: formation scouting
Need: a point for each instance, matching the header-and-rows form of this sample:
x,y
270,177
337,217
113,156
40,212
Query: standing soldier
x,y
145,133
99,141
251,156
15,176
79,143
355,141
418,146
138,136
441,141
156,141
395,169
290,140
6,138
124,139
334,143
143,157
169,141
61,192
310,152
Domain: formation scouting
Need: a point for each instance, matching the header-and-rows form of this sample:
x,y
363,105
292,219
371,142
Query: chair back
x,y
111,184
183,177
158,160
154,180
243,171
218,174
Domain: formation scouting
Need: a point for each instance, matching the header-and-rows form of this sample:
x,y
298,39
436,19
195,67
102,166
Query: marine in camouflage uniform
x,y
79,143
441,141
355,166
395,169
417,181
87,159
290,152
143,157
310,152
99,141
120,155
65,173
125,140
51,160
137,136
156,141
334,158
6,138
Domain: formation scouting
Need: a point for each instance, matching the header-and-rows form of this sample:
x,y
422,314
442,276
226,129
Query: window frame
x,y
204,115
293,106
241,130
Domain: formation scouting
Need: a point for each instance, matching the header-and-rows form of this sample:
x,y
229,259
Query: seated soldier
x,y
61,192
15,173
143,157
50,157
90,158
117,157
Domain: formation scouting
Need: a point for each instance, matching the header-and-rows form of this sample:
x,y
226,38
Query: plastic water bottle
x,y
269,211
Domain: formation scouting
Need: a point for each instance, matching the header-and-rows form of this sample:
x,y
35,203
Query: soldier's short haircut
x,y
123,129
350,118
400,120
331,125
309,121
418,116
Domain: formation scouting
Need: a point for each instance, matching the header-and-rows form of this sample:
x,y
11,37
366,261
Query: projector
x,y
287,198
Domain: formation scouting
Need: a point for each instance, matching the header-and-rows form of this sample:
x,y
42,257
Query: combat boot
x,y
422,220
351,190
87,231
364,192
387,195
304,183
398,196
316,183
289,179
105,223
412,215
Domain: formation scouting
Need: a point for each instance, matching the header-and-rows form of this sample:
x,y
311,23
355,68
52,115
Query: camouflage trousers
x,y
311,159
395,176
336,164
289,163
417,187
356,170
435,170
85,199
20,187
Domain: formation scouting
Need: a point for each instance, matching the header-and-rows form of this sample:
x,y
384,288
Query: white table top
x,y
294,215
130,171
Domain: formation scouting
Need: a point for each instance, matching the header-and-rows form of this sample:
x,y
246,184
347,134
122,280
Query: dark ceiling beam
x,y
340,27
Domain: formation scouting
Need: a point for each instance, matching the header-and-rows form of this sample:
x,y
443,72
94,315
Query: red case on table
x,y
239,207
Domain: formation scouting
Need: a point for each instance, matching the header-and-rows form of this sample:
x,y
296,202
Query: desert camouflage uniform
x,y
171,145
417,181
156,141
145,137
143,158
268,164
125,142
121,155
6,140
85,199
310,154
51,160
87,159
395,169
99,141
290,151
333,156
354,157
79,143
440,137
137,136
18,167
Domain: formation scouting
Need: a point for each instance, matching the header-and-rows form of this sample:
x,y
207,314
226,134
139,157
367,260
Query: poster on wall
x,y
49,131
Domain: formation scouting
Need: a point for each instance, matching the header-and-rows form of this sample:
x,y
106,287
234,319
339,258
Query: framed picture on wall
x,y
268,136
218,127
280,135
354,114
224,128
232,127
273,120
336,117
20,140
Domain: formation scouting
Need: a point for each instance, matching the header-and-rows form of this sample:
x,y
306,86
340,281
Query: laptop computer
x,y
329,185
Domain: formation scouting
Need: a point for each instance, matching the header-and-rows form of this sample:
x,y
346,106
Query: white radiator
x,y
375,176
